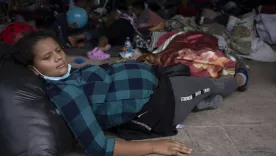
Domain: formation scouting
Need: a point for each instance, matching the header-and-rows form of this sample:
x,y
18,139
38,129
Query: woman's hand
x,y
170,147
164,147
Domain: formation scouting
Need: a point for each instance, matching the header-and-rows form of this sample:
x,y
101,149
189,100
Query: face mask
x,y
56,78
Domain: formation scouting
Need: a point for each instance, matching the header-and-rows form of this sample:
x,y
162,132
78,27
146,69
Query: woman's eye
x,y
47,58
59,50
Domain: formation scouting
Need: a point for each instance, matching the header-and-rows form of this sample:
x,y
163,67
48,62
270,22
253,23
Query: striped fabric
x,y
94,98
155,38
148,41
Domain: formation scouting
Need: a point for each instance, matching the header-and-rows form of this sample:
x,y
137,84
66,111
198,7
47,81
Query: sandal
x,y
97,54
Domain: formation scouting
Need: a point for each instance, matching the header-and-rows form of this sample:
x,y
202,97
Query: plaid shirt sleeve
x,y
74,107
92,98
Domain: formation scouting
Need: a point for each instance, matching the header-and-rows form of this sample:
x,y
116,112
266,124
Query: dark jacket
x,y
119,31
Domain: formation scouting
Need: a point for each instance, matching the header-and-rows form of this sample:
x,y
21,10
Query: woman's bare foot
x,y
240,80
241,76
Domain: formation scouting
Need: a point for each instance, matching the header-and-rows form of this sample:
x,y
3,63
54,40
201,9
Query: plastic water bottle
x,y
128,44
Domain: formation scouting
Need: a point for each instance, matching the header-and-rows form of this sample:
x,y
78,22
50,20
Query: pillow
x,y
30,125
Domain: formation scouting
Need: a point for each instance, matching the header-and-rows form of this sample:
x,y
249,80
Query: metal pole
x,y
105,4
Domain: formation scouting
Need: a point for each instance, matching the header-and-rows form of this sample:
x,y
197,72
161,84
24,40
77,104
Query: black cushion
x,y
30,125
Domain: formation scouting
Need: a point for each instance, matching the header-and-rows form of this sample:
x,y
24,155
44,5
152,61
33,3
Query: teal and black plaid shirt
x,y
93,98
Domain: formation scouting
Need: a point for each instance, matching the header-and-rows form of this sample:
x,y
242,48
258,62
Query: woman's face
x,y
50,59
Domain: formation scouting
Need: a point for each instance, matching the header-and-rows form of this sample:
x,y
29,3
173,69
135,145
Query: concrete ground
x,y
244,126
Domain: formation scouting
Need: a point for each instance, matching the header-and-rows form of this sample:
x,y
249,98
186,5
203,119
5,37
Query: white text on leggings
x,y
191,97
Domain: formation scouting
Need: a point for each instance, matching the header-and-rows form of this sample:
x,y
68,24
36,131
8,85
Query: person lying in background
x,y
67,32
94,98
62,29
121,20
146,17
95,21
124,20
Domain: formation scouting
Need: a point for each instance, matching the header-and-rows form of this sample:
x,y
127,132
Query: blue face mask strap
x,y
54,78
37,71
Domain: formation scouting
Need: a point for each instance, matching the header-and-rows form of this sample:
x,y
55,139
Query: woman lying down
x,y
95,98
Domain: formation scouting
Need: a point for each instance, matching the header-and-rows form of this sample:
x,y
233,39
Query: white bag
x,y
261,51
266,27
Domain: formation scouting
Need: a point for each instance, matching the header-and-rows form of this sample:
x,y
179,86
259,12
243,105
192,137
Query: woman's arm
x,y
74,40
126,148
141,148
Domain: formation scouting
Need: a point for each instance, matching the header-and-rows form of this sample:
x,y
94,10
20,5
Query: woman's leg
x,y
189,91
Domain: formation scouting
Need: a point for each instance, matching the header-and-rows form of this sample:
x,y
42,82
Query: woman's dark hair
x,y
23,49
138,4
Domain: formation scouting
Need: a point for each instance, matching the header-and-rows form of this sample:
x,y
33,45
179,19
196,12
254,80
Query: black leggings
x,y
189,91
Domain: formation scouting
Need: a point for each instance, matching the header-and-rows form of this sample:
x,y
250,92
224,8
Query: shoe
x,y
213,102
97,54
